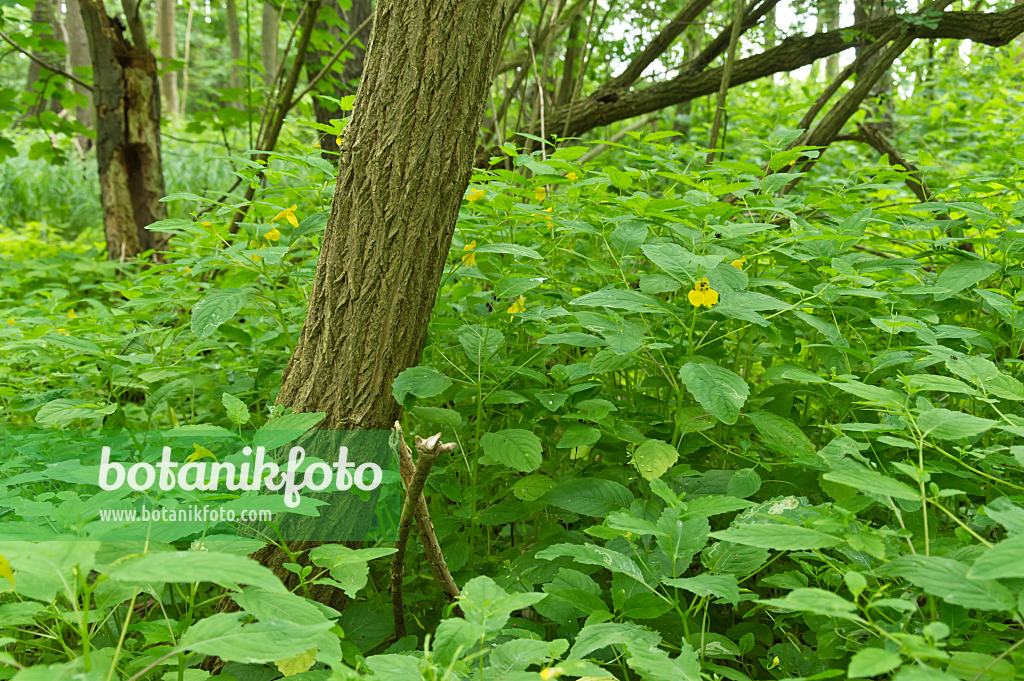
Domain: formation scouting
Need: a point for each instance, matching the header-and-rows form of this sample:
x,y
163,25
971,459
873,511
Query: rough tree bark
x,y
271,26
336,84
126,98
406,160
165,12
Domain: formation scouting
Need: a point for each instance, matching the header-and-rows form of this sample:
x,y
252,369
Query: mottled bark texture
x,y
126,99
406,160
78,57
165,34
38,77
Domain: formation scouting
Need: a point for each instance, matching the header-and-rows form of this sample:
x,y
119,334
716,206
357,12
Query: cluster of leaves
x,y
813,472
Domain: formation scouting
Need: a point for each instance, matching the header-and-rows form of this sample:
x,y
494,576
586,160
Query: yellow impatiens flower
x,y
703,294
775,663
63,331
517,307
72,315
469,260
475,195
738,264
289,215
5,570
337,140
12,321
207,224
316,145
255,258
273,235
572,176
540,193
549,673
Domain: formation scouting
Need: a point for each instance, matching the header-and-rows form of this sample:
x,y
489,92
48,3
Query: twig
x,y
337,54
415,510
723,90
7,39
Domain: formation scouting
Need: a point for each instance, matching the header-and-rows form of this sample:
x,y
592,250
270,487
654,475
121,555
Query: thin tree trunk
x,y
78,57
126,95
268,40
165,11
235,42
38,77
335,84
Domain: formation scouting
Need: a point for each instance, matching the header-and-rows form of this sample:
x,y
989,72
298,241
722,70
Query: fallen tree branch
x,y
415,510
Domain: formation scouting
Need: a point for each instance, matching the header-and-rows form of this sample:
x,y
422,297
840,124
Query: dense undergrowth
x,y
705,427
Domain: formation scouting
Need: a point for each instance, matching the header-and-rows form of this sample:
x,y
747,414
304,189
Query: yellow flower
x,y
289,215
12,321
703,294
72,315
572,176
540,193
517,307
316,145
469,260
738,264
273,235
475,195
337,140
63,331
549,673
775,663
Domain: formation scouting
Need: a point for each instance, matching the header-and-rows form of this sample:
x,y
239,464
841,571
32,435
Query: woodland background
x,y
716,306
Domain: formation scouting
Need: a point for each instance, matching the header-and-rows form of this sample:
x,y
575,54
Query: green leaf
x,y
961,275
777,536
237,411
680,263
72,343
706,585
509,249
576,339
872,662
479,342
189,567
856,476
419,381
597,636
217,307
952,425
589,496
947,579
516,448
628,236
818,601
224,636
654,457
283,429
578,435
654,664
591,554
782,434
62,411
717,389
619,299
1005,560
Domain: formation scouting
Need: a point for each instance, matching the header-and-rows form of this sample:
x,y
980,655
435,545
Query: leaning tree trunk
x,y
78,57
406,160
165,17
335,84
126,98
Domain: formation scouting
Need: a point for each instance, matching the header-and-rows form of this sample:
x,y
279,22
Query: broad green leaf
x,y
947,579
597,636
620,299
516,448
872,662
654,457
818,601
509,249
782,434
237,411
961,275
217,307
419,381
777,536
628,236
705,585
480,342
717,389
224,636
1005,560
592,554
679,263
654,664
188,567
62,411
589,496
952,425
870,482
283,429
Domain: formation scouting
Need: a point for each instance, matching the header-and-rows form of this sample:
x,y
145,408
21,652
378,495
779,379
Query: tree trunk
x,y
165,11
334,84
78,57
406,160
235,41
38,77
126,96
880,105
268,40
